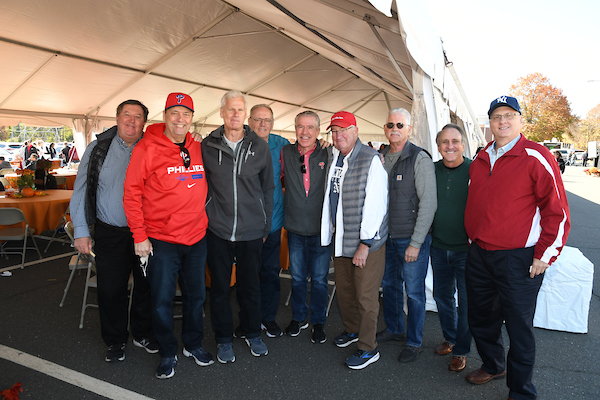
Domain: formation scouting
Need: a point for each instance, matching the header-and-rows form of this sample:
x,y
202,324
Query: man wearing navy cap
x,y
354,219
517,219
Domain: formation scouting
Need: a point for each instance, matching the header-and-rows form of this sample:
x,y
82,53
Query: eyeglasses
x,y
390,125
340,131
265,120
185,156
302,167
507,116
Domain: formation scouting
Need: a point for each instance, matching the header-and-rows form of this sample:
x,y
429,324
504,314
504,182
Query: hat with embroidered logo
x,y
504,101
343,119
179,99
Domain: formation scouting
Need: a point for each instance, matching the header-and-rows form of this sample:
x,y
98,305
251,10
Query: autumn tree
x,y
546,111
589,128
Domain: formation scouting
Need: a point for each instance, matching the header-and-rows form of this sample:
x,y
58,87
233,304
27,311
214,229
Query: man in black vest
x,y
305,168
412,205
98,200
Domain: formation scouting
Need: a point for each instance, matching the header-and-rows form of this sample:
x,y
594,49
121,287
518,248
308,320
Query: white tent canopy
x,y
71,62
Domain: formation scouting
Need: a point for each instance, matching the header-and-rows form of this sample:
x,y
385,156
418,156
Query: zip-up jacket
x,y
240,186
519,203
163,199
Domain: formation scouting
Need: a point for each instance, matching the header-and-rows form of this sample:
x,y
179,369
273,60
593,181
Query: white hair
x,y
401,111
233,94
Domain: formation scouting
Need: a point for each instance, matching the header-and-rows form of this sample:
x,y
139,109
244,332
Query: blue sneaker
x,y
257,346
166,368
201,356
225,353
345,339
362,358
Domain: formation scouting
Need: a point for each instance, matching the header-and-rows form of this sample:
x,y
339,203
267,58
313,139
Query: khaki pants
x,y
358,295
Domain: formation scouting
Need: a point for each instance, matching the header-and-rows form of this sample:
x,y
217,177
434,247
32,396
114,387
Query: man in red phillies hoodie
x,y
165,192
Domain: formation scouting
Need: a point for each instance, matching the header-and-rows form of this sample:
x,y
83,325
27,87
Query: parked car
x,y
8,156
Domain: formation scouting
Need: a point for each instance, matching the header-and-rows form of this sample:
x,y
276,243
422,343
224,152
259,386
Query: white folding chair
x,y
11,216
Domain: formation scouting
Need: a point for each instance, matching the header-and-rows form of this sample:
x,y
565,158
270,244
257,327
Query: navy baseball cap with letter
x,y
504,101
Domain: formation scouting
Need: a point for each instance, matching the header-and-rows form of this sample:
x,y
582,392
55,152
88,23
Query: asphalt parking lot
x,y
42,347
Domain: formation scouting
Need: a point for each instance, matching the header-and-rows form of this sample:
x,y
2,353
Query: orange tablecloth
x,y
70,175
43,213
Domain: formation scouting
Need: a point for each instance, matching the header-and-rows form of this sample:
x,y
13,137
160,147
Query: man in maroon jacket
x,y
517,219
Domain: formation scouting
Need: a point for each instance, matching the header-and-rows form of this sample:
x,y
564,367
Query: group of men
x,y
381,216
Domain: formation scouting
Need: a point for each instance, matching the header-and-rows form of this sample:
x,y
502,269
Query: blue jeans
x,y
397,273
269,277
448,275
169,261
309,258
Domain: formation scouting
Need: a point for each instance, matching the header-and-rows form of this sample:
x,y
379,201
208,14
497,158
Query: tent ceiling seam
x,y
30,77
164,58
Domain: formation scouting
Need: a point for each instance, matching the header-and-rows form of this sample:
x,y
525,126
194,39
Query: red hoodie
x,y
164,200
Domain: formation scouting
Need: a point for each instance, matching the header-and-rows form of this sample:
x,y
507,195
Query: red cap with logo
x,y
343,119
179,99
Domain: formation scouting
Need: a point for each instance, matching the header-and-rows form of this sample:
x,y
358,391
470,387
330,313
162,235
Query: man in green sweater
x,y
450,244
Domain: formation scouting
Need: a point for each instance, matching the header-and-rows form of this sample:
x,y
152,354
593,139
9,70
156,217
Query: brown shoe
x,y
479,376
458,363
444,348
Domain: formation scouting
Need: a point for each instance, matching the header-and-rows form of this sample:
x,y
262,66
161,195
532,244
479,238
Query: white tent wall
x,y
78,59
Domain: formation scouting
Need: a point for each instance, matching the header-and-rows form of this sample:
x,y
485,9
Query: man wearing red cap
x,y
517,219
354,219
165,193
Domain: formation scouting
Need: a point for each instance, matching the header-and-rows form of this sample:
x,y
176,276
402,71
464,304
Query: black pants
x,y
115,259
220,258
499,289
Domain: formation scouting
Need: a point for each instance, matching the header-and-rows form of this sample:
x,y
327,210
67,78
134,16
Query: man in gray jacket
x,y
305,168
239,207
412,206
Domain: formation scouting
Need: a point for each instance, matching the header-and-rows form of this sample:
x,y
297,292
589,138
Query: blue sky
x,y
492,44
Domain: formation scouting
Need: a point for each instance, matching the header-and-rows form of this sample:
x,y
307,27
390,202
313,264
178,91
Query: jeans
x,y
448,275
397,273
269,277
169,261
309,258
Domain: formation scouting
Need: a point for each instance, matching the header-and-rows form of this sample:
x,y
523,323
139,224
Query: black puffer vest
x,y
96,161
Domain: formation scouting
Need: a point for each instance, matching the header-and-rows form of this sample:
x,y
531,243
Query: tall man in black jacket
x,y
239,207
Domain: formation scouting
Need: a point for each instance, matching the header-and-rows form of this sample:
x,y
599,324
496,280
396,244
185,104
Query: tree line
x,y
547,113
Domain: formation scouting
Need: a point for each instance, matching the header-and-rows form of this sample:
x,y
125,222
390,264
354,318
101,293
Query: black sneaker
x,y
239,332
271,329
345,339
149,344
409,354
115,352
386,336
295,327
318,334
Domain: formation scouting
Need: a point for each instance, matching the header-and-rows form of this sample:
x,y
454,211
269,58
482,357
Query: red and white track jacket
x,y
520,203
